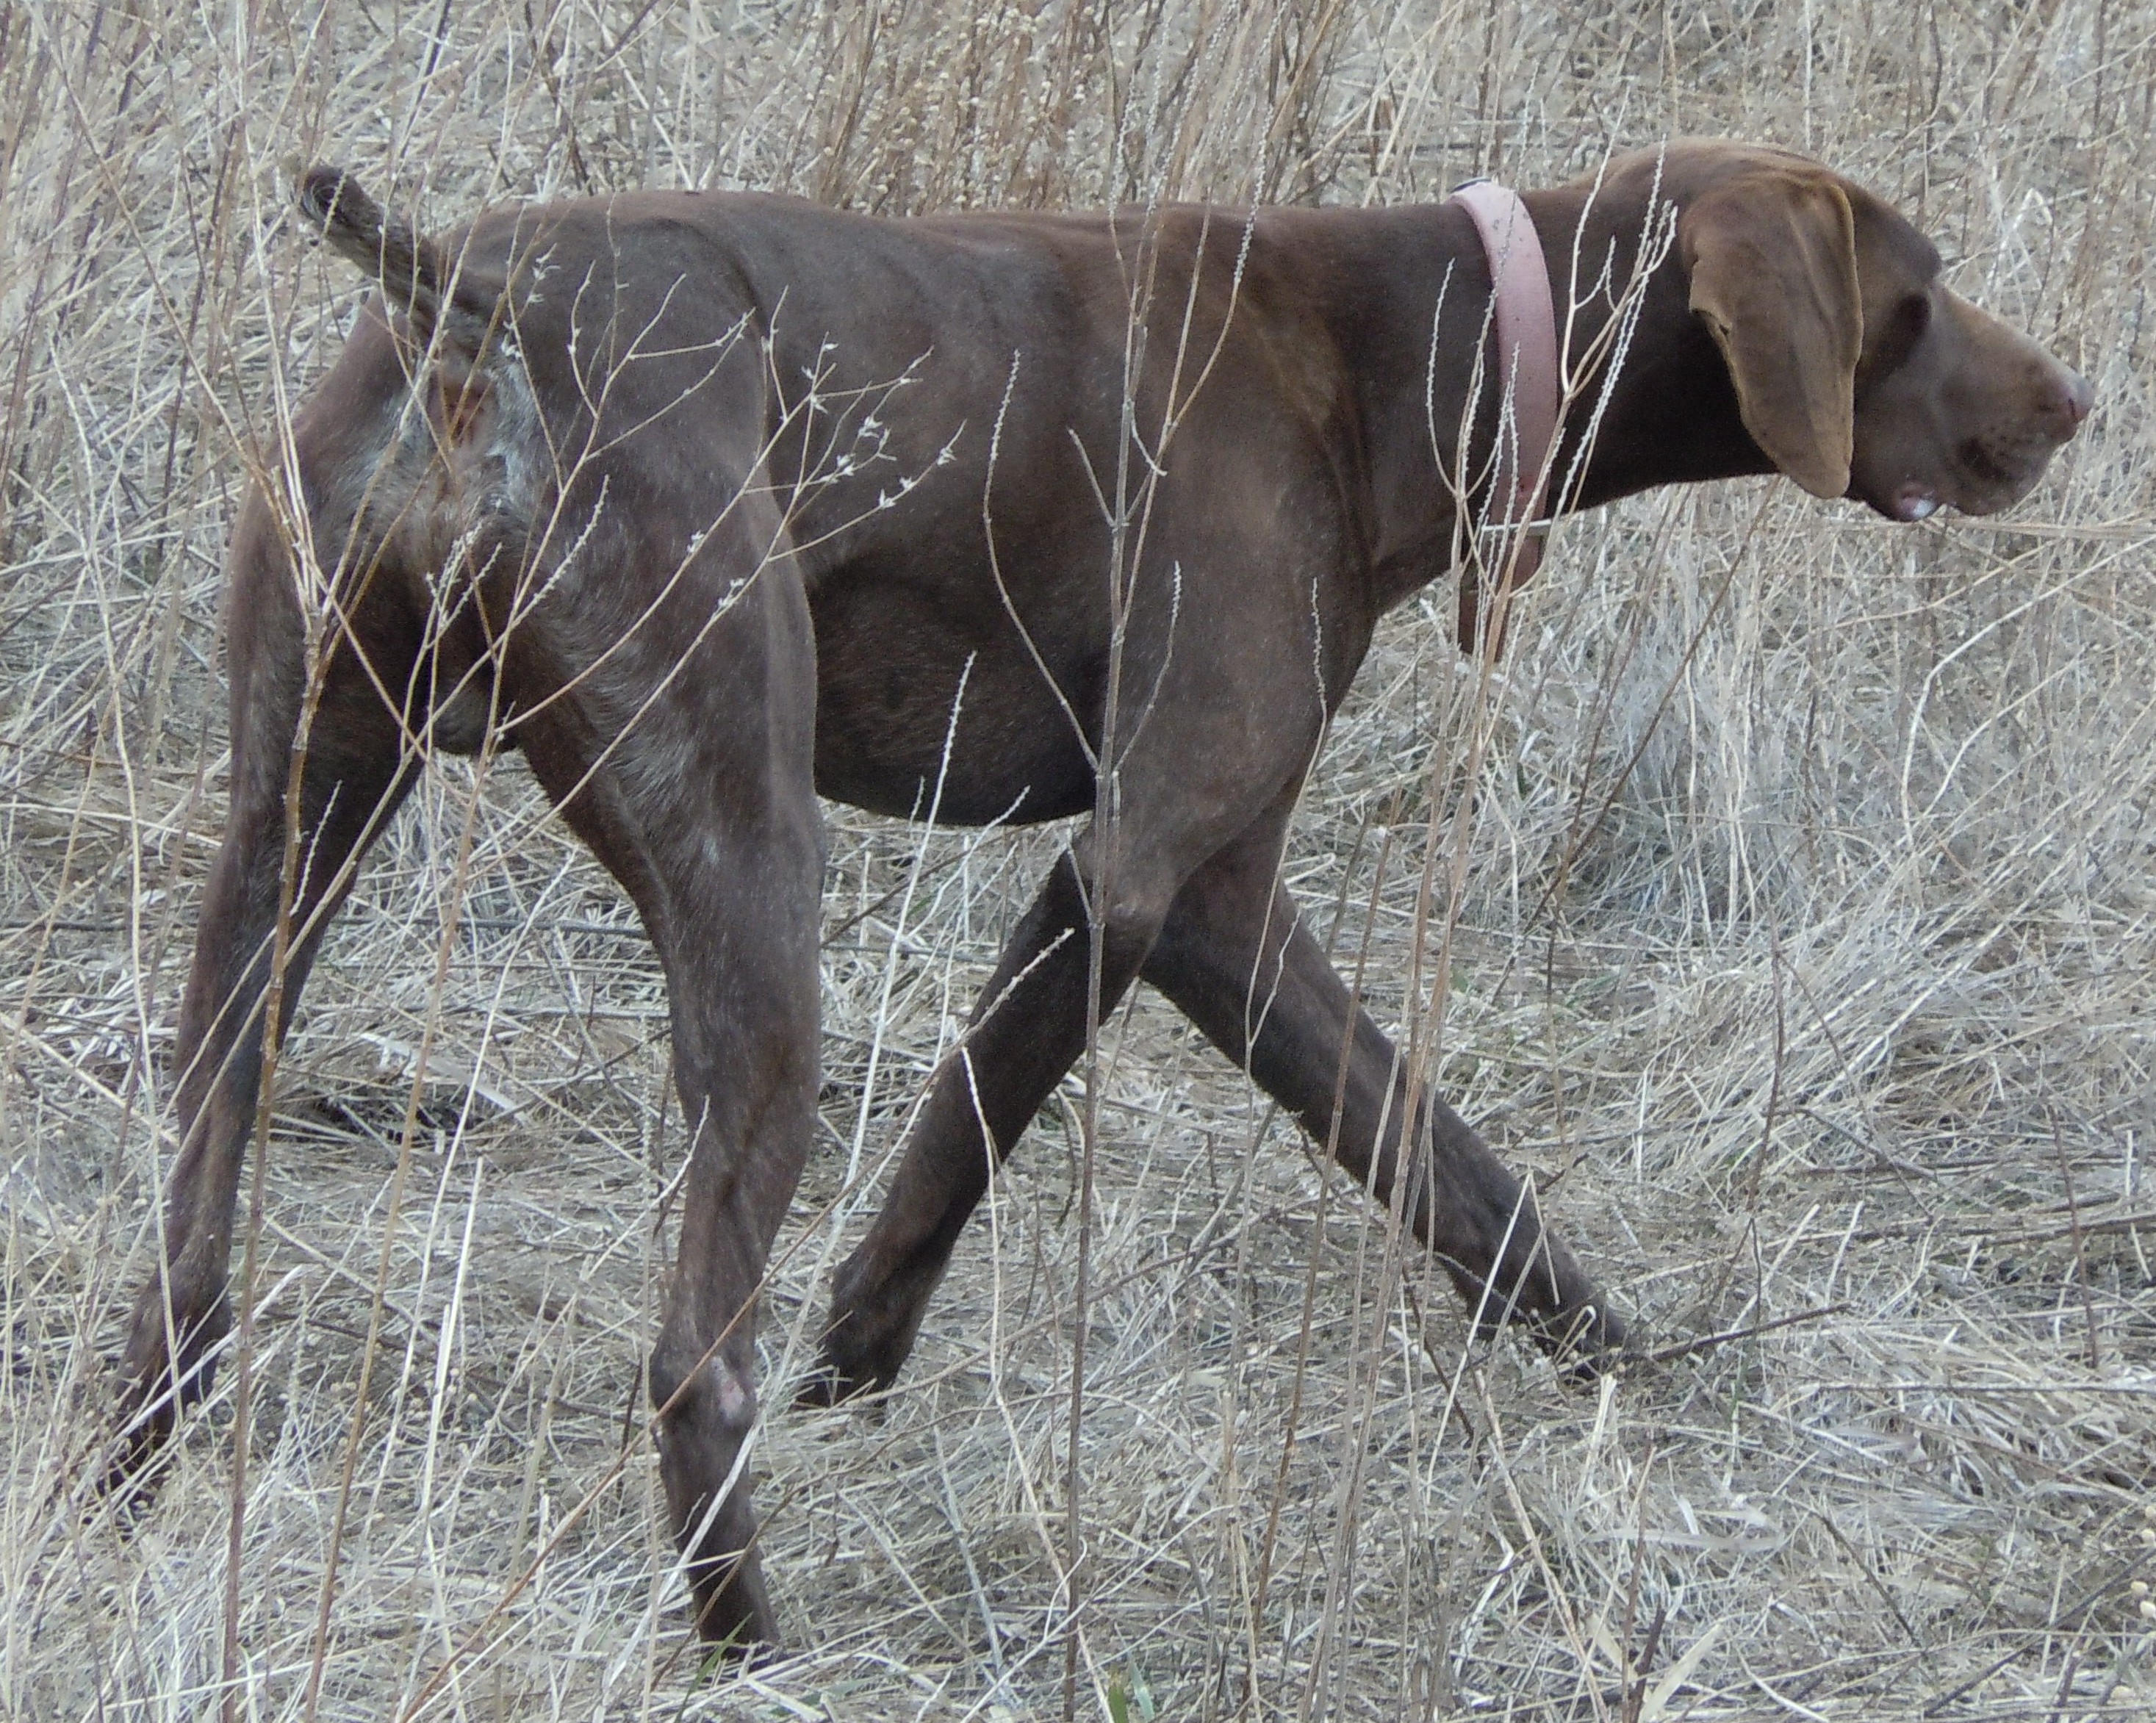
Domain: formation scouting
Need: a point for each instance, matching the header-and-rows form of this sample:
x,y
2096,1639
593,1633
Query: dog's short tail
x,y
411,268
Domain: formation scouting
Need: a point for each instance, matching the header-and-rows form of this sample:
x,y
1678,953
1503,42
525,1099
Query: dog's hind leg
x,y
688,770
357,763
742,987
741,983
1236,958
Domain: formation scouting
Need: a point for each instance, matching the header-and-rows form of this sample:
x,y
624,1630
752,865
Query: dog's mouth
x,y
1983,476
1998,475
1913,500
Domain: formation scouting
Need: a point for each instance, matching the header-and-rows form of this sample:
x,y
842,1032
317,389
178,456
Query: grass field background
x,y
1806,958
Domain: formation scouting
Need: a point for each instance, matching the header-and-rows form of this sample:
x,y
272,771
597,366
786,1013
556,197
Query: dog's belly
x,y
912,687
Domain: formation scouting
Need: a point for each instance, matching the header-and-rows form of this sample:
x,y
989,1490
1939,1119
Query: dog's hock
x,y
734,1394
718,1391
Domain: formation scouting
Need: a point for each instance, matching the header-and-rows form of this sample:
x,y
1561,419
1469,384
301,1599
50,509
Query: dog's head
x,y
1858,372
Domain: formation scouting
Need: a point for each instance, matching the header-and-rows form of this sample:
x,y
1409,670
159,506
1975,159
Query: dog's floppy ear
x,y
1772,257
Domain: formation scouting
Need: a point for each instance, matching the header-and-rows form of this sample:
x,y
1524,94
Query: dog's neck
x,y
1671,417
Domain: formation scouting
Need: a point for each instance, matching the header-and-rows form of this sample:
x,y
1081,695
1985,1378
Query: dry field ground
x,y
1806,955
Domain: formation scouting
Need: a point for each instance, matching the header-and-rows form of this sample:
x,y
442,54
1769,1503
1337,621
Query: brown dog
x,y
708,503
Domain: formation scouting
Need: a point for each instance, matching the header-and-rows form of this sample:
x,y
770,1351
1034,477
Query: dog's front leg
x,y
1236,958
1028,1028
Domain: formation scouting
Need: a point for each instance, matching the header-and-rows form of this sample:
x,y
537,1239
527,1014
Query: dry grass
x,y
1806,957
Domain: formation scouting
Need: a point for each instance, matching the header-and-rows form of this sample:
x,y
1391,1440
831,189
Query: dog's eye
x,y
1887,347
1912,316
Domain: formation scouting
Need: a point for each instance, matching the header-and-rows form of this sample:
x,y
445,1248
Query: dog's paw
x,y
137,1454
823,1388
867,1336
1586,1343
838,1379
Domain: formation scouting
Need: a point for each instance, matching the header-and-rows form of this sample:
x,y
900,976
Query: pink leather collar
x,y
1527,379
